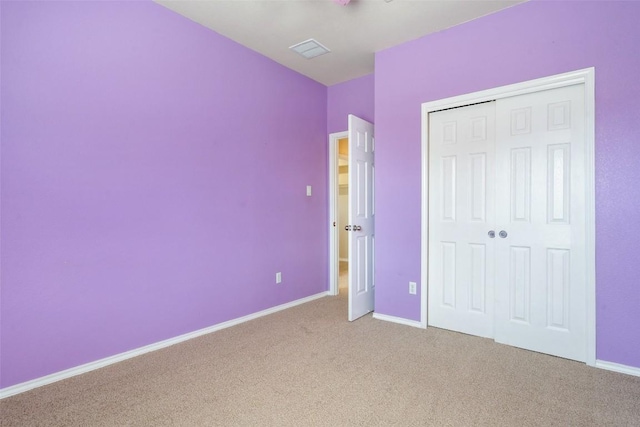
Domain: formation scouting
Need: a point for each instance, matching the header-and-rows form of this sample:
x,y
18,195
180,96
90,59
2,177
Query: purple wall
x,y
153,182
528,41
351,97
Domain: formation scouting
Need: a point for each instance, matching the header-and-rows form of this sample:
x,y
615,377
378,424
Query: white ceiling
x,y
353,32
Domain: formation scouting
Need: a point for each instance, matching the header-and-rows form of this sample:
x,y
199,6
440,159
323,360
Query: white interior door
x,y
540,263
361,217
461,213
521,176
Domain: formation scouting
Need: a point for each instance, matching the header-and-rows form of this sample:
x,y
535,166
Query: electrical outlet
x,y
308,190
278,277
412,288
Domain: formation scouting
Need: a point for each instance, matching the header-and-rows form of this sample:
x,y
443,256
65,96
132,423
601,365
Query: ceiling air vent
x,y
309,48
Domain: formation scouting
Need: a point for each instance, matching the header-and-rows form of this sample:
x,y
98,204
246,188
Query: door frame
x,y
584,77
334,249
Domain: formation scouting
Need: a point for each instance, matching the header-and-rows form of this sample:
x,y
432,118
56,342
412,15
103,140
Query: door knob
x,y
347,228
503,234
492,234
357,228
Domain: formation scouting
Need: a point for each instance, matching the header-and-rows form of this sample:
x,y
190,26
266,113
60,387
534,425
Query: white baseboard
x,y
399,320
87,367
617,367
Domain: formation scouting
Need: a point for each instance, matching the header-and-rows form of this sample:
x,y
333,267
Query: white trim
x,y
590,211
617,367
91,366
400,320
530,86
585,77
333,211
424,218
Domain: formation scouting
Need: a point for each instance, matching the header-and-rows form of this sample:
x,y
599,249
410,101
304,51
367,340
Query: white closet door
x,y
461,213
540,187
361,217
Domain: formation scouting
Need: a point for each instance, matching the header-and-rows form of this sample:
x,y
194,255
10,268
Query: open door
x,y
361,217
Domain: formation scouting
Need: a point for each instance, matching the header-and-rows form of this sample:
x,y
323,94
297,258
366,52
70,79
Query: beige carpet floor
x,y
308,366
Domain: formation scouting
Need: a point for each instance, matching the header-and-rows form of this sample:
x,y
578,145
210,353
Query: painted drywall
x,y
153,181
528,41
351,97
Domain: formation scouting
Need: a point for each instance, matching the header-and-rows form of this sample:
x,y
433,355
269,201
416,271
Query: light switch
x,y
308,190
412,288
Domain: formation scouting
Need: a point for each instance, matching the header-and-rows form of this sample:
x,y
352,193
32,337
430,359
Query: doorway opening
x,y
339,213
360,229
343,216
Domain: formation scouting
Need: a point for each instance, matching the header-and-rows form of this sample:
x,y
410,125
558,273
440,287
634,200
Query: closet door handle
x,y
347,228
491,234
503,234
